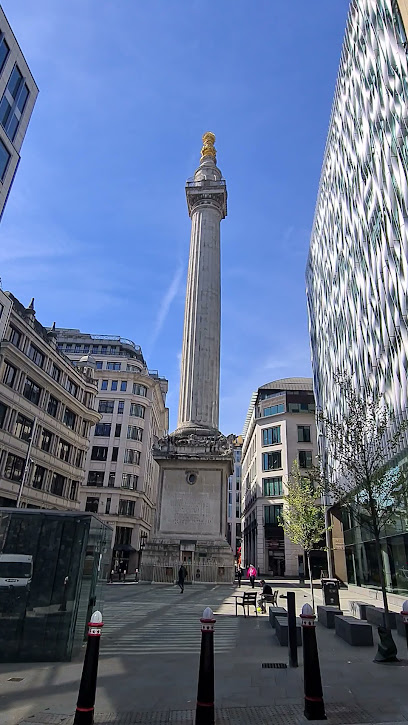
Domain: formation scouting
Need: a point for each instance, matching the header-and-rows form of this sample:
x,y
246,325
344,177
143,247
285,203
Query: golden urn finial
x,y
208,145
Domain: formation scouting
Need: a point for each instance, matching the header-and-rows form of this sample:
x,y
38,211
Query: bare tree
x,y
303,517
364,442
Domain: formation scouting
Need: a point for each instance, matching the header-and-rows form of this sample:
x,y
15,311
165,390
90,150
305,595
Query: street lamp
x,y
142,544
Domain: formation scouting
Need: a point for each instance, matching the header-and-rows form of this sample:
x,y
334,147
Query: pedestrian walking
x,y
301,571
239,575
181,577
251,574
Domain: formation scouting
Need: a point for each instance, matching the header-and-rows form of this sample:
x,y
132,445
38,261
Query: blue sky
x,y
96,227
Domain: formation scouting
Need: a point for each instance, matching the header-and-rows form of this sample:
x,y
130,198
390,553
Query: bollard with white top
x,y
84,713
314,705
205,691
404,615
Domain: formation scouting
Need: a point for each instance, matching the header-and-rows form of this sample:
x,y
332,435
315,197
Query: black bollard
x,y
84,714
205,691
404,615
292,636
314,705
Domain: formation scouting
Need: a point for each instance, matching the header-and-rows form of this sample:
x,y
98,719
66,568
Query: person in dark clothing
x,y
266,590
239,575
181,577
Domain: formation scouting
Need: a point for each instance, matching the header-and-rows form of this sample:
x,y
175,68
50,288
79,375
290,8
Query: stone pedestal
x,y
191,514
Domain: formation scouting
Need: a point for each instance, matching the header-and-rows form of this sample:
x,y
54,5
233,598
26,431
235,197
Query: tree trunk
x,y
382,577
311,579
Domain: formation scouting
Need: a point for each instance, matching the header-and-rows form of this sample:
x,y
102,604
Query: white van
x,y
16,570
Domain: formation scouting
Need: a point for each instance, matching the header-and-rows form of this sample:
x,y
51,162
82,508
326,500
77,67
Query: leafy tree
x,y
363,443
303,516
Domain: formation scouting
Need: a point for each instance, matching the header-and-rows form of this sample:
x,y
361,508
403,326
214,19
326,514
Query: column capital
x,y
201,194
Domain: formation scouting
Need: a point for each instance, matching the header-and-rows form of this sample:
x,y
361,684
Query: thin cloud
x,y
165,304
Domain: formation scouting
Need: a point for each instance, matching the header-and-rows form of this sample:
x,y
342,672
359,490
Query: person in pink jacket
x,y
251,574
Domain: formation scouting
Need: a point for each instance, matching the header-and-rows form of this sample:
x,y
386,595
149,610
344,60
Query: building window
x,y
64,449
111,479
13,103
303,433
92,504
129,480
108,505
103,429
5,157
79,458
123,386
270,436
134,433
46,438
15,336
57,484
36,356
52,406
113,366
99,453
121,406
272,486
24,427
305,459
14,467
71,387
3,411
132,456
95,478
139,389
38,478
118,428
137,410
273,514
9,375
106,406
115,450
32,391
114,385
271,461
4,51
273,410
55,373
73,491
69,418
99,364
104,385
126,508
123,535
302,407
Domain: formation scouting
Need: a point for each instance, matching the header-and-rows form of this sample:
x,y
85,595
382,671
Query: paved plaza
x,y
149,665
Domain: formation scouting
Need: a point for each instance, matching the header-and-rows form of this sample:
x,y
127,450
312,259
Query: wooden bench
x,y
354,631
326,615
276,612
376,615
282,631
358,609
247,599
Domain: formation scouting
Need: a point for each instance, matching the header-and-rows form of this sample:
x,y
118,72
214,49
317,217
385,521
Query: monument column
x,y
200,369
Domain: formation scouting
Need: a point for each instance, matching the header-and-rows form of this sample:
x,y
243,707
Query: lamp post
x,y
142,544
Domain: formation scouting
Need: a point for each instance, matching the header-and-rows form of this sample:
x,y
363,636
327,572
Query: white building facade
x,y
46,414
234,501
121,481
280,428
18,93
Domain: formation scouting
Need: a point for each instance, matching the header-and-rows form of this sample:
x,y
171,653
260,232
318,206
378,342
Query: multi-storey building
x,y
279,430
357,271
122,478
18,93
46,413
234,500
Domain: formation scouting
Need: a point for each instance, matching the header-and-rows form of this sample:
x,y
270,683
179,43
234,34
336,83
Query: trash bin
x,y
330,588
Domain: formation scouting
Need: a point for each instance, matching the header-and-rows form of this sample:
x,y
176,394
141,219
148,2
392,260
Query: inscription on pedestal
x,y
191,509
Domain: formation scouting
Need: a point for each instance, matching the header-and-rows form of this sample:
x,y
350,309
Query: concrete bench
x,y
376,615
354,631
326,615
281,631
276,612
358,609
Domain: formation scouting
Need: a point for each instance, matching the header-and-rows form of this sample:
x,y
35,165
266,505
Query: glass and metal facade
x,y
357,271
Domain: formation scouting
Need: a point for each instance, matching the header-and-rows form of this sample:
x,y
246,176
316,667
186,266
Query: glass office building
x,y
357,270
52,565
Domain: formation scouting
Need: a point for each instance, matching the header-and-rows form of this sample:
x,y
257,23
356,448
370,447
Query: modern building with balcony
x,y
357,270
47,409
121,483
279,429
18,93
